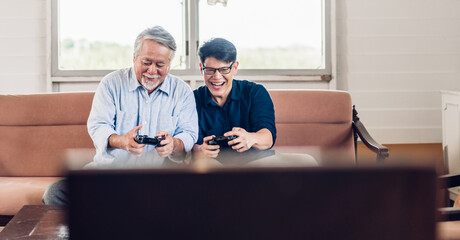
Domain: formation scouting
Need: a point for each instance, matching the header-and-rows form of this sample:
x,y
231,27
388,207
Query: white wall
x,y
23,46
393,56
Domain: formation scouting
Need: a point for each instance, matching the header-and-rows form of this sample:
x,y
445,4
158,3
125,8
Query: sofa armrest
x,y
361,131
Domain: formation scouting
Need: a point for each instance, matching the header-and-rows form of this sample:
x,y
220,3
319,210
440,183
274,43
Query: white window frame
x,y
191,36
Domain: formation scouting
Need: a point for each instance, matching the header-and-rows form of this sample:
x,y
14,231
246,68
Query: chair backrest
x,y
315,118
35,129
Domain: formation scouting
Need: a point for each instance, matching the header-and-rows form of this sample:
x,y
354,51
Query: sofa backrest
x,y
35,129
315,118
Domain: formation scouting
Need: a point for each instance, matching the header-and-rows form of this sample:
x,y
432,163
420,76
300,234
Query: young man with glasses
x,y
231,107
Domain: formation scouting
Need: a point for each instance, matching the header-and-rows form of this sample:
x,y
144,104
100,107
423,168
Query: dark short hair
x,y
218,48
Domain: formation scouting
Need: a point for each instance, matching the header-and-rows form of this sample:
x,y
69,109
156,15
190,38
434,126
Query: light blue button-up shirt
x,y
121,103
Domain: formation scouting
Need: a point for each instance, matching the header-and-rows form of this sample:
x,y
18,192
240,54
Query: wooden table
x,y
49,222
37,222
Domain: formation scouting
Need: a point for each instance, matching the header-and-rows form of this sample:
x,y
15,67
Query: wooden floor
x,y
425,153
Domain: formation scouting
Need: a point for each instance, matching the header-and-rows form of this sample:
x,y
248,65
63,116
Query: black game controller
x,y
144,139
221,140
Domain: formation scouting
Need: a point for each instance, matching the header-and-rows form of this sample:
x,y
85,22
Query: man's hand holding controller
x,y
135,144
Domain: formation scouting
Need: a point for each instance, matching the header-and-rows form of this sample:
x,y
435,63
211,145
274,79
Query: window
x,y
289,37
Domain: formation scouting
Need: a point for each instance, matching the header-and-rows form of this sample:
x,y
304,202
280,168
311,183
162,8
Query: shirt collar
x,y
165,86
134,84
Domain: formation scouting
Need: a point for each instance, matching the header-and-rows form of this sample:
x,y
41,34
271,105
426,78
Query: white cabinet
x,y
451,134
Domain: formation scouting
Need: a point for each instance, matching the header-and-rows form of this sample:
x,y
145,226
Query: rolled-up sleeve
x,y
263,115
187,125
101,121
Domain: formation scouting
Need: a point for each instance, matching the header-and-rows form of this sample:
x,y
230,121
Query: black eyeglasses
x,y
222,70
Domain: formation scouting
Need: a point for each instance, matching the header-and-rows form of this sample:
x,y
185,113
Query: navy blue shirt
x,y
248,106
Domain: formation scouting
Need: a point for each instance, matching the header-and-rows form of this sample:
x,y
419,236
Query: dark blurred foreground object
x,y
381,202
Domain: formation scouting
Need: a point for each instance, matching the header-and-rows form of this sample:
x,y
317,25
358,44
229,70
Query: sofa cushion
x,y
16,192
36,150
45,109
309,118
35,129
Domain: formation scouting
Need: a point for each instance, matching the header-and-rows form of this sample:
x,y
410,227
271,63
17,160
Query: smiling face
x,y
152,64
220,85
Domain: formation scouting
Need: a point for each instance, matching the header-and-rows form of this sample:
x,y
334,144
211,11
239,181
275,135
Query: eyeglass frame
x,y
218,69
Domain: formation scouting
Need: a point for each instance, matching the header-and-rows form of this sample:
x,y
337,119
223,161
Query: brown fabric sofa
x,y
36,129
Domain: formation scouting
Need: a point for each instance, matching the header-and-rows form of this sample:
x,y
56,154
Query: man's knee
x,y
56,194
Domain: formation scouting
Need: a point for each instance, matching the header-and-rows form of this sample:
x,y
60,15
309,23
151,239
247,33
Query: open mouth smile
x,y
218,84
